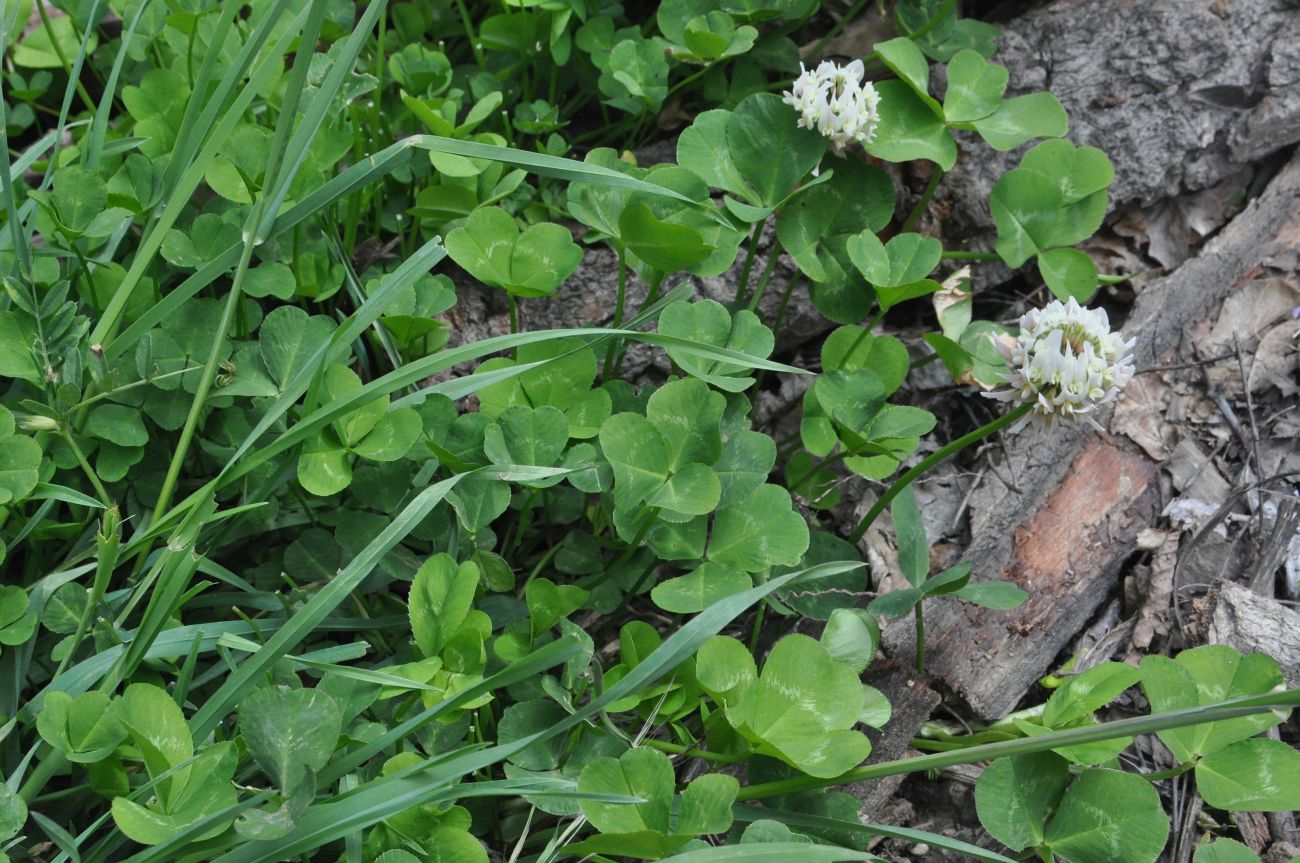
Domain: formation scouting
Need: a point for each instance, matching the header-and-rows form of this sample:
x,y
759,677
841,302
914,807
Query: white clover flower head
x,y
836,102
1066,362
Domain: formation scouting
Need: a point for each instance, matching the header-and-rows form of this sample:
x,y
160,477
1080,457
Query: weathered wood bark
x,y
912,702
1072,502
1179,95
1253,623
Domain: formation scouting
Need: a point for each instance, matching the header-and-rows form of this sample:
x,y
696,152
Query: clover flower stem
x,y
930,461
919,210
763,279
845,20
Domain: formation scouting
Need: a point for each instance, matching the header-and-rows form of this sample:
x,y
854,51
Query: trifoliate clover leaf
x,y
1056,198
801,708
648,830
635,78
530,264
761,531
16,623
700,588
85,729
975,87
370,431
710,323
906,260
20,462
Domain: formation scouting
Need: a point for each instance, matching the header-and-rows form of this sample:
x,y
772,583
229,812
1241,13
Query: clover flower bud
x,y
1066,362
836,102
37,423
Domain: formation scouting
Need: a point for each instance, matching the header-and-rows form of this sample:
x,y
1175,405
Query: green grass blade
x,y
773,852
317,608
201,113
545,657
1246,706
418,370
173,642
801,819
94,143
355,177
311,120
543,165
327,822
189,180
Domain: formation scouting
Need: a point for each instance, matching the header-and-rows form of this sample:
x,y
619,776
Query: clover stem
x,y
85,466
1168,774
844,21
919,611
958,255
764,279
468,23
930,461
687,81
631,548
794,282
689,752
924,201
612,351
742,286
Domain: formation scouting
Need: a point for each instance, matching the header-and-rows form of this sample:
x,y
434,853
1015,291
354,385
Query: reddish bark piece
x,y
1066,556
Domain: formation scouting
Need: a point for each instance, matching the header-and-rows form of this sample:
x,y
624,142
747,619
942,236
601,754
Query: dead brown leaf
x,y
1153,618
1249,311
1275,362
1140,416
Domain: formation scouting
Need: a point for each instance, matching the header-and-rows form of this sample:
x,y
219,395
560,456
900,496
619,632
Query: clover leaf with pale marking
x,y
490,247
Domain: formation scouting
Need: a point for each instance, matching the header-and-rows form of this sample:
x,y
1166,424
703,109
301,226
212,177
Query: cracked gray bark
x,y
1179,95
